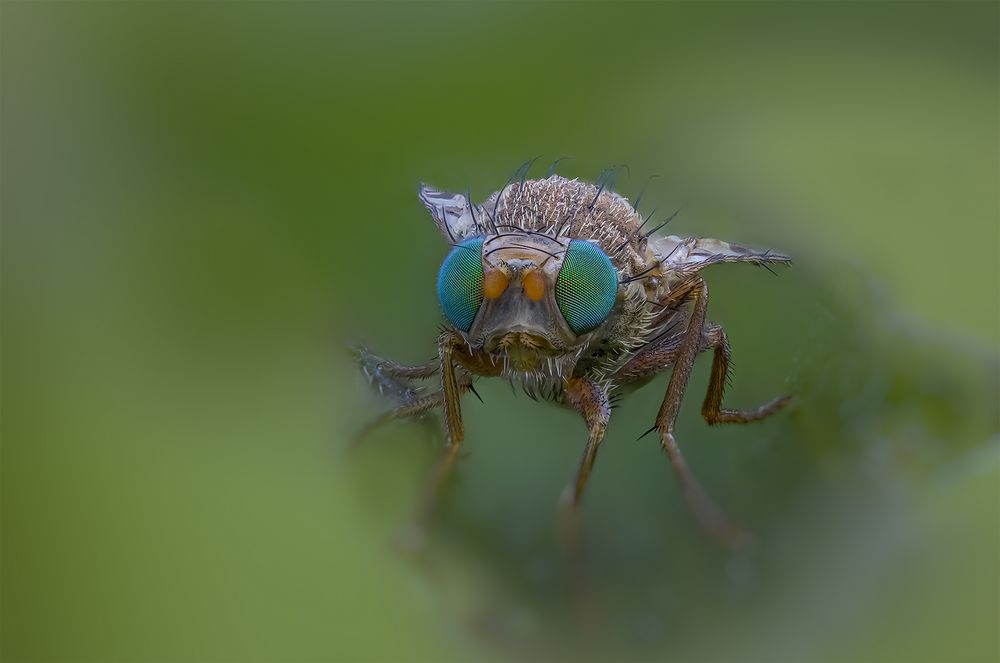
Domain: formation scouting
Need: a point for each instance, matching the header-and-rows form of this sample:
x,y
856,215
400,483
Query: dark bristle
x,y
525,167
526,231
491,216
517,174
472,207
504,188
641,274
602,177
646,433
668,220
672,252
608,175
642,191
522,246
562,225
597,195
552,168
626,242
646,220
535,248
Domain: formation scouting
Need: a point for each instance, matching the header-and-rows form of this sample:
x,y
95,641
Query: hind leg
x,y
704,510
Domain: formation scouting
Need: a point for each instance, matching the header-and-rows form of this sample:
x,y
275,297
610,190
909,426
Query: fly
x,y
552,284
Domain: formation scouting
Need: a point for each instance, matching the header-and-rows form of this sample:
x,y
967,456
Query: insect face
x,y
527,295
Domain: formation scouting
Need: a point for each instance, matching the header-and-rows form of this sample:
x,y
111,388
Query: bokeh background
x,y
204,203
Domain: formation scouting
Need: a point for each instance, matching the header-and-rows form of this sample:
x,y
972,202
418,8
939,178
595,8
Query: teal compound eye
x,y
586,287
460,283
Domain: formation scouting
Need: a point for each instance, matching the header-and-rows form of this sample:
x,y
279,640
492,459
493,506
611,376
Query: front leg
x,y
589,399
414,407
453,351
454,428
592,402
390,377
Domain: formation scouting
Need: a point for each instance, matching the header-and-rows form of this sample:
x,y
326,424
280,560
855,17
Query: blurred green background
x,y
203,203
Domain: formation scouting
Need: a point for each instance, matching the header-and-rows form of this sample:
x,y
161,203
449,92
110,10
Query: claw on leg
x,y
712,409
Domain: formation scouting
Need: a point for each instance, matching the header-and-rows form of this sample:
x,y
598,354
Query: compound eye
x,y
460,283
586,286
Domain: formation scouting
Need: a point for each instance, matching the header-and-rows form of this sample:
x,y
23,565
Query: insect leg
x,y
649,361
592,402
390,377
419,405
709,517
712,409
454,430
661,354
397,370
449,388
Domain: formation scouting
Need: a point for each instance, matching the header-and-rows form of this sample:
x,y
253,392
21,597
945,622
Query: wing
x,y
686,255
453,214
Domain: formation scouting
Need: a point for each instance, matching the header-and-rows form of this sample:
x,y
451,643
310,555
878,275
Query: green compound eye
x,y
460,283
586,287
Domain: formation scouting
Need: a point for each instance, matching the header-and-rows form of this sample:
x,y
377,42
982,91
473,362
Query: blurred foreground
x,y
204,203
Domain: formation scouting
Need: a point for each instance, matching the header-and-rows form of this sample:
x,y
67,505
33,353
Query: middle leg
x,y
704,510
